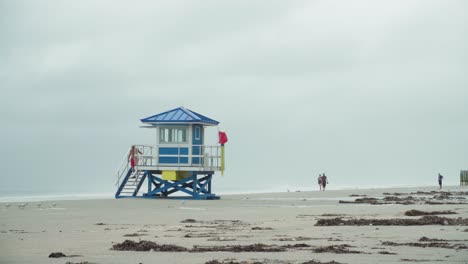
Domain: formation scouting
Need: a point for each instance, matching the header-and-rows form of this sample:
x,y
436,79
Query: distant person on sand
x,y
324,181
440,181
132,157
319,179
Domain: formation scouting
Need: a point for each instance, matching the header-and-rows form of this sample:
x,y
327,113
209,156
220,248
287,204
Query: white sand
x,y
28,234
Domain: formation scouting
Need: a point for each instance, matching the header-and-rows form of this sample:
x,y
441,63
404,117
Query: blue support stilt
x,y
193,187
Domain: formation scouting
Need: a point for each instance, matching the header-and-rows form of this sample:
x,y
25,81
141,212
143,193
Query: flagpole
x,y
222,139
222,159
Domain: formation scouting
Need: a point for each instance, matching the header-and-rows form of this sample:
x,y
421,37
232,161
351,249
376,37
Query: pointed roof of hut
x,y
180,115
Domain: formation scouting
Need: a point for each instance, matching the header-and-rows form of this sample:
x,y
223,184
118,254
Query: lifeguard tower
x,y
179,162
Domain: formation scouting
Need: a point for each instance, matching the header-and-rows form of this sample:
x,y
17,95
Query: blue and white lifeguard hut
x,y
179,162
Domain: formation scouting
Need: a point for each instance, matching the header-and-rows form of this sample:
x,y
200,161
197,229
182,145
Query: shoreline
x,y
104,196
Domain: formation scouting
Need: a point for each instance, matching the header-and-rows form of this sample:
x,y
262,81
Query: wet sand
x,y
398,226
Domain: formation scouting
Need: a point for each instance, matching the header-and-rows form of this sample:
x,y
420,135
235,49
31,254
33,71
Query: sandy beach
x,y
346,226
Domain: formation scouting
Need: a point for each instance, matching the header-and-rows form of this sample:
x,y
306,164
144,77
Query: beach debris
x,y
439,203
268,262
18,231
442,195
233,262
432,197
419,213
394,194
191,235
188,221
300,245
240,248
425,220
387,253
460,193
428,244
386,200
336,249
219,225
413,260
318,262
426,239
418,260
407,199
299,238
144,245
57,255
99,224
365,200
261,228
134,235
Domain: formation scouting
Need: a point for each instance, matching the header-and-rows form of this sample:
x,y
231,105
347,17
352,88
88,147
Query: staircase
x,y
131,184
128,181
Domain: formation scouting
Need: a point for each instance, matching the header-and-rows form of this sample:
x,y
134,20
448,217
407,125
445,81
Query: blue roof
x,y
179,115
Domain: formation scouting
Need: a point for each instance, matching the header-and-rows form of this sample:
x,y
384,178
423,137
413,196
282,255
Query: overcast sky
x,y
372,93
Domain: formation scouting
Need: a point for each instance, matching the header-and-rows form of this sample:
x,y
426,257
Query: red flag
x,y
222,137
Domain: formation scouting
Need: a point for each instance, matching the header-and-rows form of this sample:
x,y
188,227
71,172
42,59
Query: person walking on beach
x,y
324,181
319,179
440,180
132,157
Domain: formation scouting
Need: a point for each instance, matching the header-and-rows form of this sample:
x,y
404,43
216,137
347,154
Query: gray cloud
x,y
372,93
